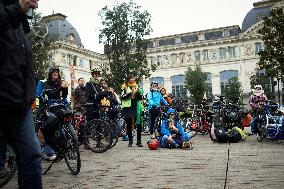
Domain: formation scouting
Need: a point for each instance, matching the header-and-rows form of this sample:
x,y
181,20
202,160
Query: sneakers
x,y
130,143
49,157
139,144
187,146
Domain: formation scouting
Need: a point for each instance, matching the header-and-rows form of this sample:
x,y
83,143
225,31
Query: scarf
x,y
55,84
94,81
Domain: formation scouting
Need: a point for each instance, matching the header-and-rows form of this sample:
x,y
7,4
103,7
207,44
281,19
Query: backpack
x,y
234,135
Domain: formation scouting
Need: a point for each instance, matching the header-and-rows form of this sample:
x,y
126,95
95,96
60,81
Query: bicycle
x,y
10,166
97,135
55,124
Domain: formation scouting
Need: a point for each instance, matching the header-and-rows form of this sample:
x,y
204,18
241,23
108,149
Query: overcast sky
x,y
168,16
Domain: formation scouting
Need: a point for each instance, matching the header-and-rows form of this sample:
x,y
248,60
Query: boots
x,y
139,144
130,143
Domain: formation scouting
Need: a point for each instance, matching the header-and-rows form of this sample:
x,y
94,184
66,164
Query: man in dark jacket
x,y
17,90
94,94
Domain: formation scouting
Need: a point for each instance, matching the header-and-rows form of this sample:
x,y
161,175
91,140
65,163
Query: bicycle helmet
x,y
96,69
154,83
153,144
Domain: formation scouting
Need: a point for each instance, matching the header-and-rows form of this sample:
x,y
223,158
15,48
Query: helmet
x,y
232,116
96,69
153,144
154,82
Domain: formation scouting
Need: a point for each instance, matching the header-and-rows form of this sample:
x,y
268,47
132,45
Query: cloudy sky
x,y
168,16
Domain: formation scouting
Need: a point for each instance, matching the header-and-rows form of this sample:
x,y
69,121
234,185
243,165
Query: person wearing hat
x,y
257,99
132,108
155,99
94,94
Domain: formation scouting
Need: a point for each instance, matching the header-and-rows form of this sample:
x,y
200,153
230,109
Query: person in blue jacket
x,y
155,99
172,133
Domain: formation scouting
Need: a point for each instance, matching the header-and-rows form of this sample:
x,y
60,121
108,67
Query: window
x,y
226,33
205,55
225,76
201,37
222,52
178,86
74,61
174,58
182,57
257,48
159,61
155,43
177,40
209,86
159,80
197,56
232,52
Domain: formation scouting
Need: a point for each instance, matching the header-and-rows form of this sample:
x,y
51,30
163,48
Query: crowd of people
x,y
18,91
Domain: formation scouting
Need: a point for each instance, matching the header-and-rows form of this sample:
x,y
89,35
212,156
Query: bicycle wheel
x,y
71,149
10,170
98,136
261,134
116,129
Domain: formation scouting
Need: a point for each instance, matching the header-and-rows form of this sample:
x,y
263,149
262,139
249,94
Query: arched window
x,y
178,86
159,80
225,76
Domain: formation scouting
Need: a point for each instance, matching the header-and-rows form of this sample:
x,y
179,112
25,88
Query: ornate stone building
x,y
222,53
73,60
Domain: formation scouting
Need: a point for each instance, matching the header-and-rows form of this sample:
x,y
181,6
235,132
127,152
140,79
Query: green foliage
x,y
41,49
272,57
123,32
195,81
264,81
233,90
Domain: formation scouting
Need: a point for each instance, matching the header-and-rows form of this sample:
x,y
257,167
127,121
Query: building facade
x,y
222,53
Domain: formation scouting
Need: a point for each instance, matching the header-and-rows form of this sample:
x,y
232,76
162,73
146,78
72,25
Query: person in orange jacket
x,y
166,95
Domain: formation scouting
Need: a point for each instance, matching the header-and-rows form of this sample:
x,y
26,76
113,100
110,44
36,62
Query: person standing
x,y
131,108
94,94
17,91
79,94
155,100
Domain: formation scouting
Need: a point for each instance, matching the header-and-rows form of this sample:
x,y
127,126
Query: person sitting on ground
x,y
172,133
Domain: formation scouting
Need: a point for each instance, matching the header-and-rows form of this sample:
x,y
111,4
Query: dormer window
x,y
177,40
201,37
226,33
155,43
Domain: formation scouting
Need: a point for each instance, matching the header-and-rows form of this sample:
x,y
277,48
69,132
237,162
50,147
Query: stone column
x,y
216,85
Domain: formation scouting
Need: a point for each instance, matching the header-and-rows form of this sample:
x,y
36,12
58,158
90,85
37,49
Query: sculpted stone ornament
x,y
213,54
248,50
188,56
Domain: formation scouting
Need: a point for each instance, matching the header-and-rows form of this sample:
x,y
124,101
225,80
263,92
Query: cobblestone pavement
x,y
251,165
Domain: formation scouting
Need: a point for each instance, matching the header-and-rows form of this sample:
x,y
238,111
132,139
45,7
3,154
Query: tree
x,y
272,56
41,47
195,81
233,90
123,32
264,81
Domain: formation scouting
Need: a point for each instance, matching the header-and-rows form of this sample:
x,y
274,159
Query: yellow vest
x,y
127,102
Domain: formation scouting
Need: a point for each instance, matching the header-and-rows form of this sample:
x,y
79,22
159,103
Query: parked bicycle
x,y
54,122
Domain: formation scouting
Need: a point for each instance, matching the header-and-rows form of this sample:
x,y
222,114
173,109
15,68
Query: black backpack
x,y
233,135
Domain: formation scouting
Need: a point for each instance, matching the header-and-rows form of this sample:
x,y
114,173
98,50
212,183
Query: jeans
x,y
176,142
154,113
19,131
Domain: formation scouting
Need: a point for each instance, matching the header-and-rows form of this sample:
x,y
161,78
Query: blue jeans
x,y
19,131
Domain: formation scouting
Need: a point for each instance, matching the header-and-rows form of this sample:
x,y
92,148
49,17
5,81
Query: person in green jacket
x,y
131,108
